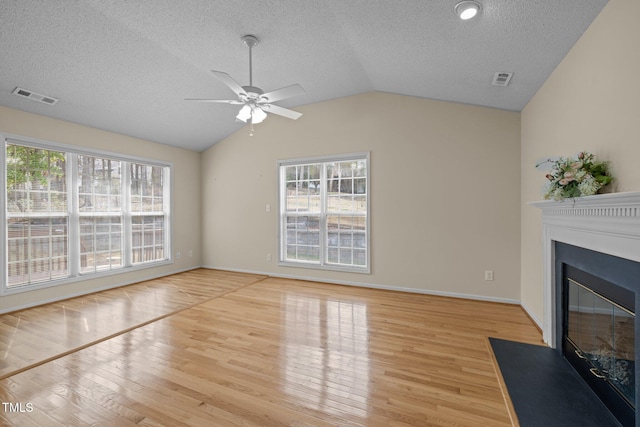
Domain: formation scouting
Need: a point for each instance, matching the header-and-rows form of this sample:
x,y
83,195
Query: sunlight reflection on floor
x,y
325,344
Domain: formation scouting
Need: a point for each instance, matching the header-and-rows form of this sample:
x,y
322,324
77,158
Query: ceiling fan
x,y
255,103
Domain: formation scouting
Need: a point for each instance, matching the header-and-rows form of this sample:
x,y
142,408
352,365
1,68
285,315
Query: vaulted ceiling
x,y
127,66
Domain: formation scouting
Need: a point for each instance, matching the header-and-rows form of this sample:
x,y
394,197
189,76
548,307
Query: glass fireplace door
x,y
602,333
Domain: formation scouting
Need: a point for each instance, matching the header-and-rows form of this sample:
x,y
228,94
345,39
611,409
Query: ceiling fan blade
x,y
282,93
284,112
221,101
229,81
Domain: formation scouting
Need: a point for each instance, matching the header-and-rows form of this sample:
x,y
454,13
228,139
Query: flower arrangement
x,y
575,177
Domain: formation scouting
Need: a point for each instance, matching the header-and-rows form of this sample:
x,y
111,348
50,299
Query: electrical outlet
x,y
268,257
190,252
488,275
178,255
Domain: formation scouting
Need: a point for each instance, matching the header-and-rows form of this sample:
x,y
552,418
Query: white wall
x,y
445,184
186,197
590,102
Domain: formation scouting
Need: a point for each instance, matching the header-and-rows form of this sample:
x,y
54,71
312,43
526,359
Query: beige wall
x,y
591,102
445,184
186,199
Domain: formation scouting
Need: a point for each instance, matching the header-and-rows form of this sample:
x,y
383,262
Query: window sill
x,y
82,277
336,268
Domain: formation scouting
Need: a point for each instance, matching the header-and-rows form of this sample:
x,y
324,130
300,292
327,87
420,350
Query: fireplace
x,y
598,324
591,263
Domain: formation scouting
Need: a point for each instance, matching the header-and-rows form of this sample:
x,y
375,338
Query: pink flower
x,y
576,165
563,181
581,155
569,176
549,177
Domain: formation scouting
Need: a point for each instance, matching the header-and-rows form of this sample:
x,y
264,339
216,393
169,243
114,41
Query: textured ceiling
x,y
126,66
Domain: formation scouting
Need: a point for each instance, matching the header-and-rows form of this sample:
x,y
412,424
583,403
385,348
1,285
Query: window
x,y
37,215
324,208
100,213
73,213
147,213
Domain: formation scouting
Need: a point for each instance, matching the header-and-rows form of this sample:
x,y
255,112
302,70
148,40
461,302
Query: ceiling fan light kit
x,y
255,103
467,9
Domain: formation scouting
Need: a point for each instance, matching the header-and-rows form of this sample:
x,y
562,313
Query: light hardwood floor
x,y
30,337
267,352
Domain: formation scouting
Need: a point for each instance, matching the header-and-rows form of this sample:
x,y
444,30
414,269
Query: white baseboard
x,y
374,286
284,276
531,315
90,291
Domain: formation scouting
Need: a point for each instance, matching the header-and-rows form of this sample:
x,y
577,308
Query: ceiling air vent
x,y
501,79
25,93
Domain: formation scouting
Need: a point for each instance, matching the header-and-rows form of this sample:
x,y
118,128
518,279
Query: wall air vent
x,y
501,79
25,93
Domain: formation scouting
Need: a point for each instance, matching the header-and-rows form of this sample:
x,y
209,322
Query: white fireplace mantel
x,y
607,223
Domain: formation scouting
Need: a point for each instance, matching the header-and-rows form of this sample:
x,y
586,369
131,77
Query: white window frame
x,y
73,213
323,263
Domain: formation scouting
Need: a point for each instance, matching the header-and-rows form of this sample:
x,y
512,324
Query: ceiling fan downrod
x,y
250,41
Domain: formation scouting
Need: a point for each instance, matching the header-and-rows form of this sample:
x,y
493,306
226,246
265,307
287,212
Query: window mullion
x,y
323,214
282,227
73,255
3,231
126,214
166,210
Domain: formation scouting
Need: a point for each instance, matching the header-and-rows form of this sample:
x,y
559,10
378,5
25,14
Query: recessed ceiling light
x,y
467,9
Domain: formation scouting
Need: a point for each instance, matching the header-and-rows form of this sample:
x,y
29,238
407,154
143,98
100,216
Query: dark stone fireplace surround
x,y
596,234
